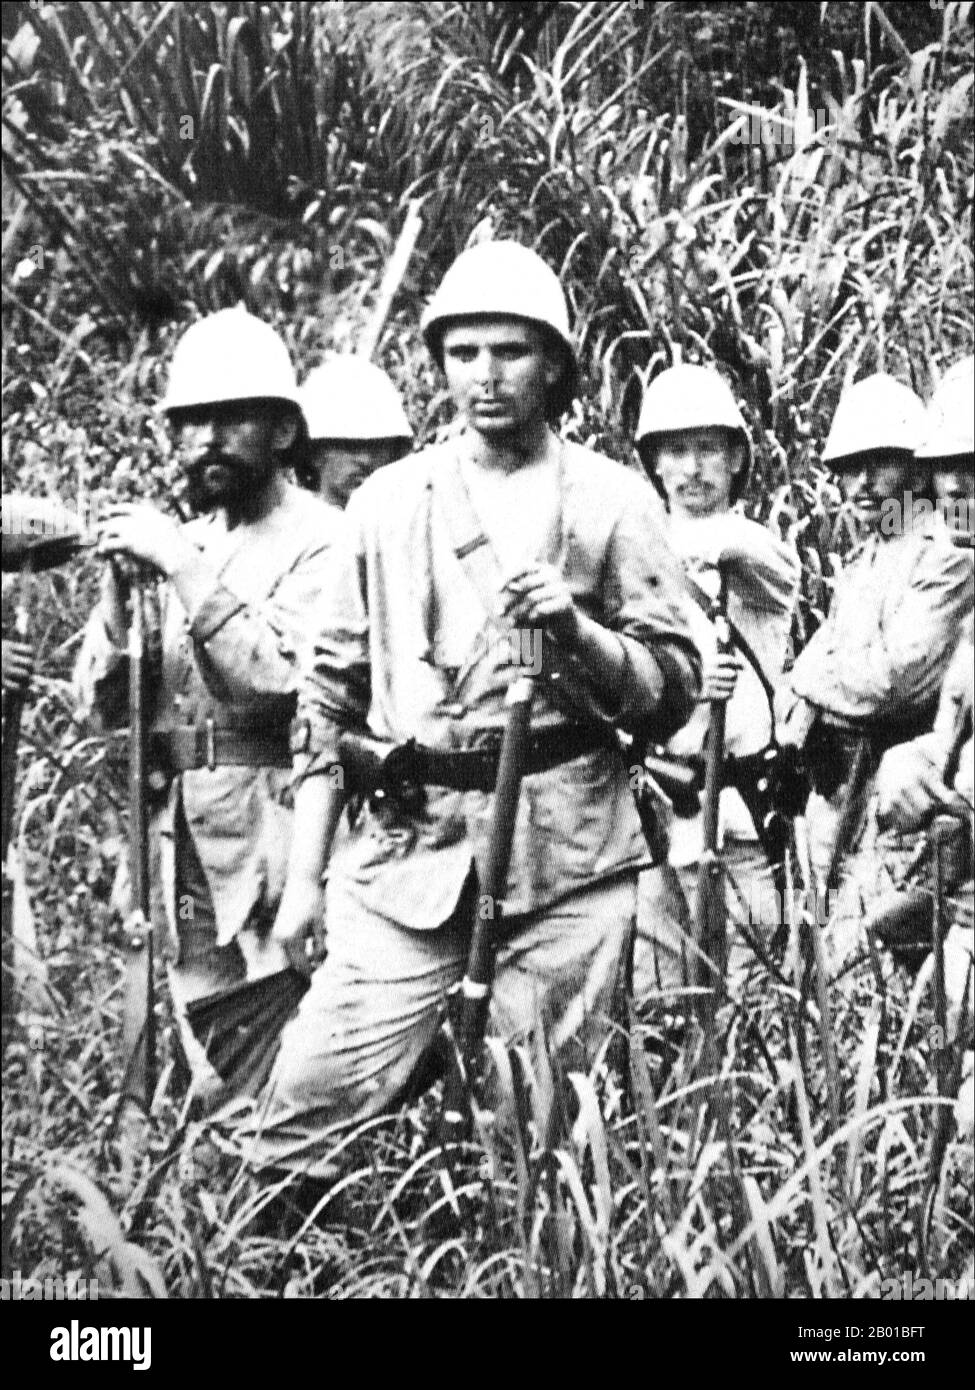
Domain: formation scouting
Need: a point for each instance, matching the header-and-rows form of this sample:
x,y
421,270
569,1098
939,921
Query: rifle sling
x,y
740,641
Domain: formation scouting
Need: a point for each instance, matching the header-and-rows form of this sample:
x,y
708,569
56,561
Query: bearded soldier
x,y
356,424
237,586
693,442
870,676
503,531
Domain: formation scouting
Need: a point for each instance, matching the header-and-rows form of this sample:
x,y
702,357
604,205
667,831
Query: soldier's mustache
x,y
199,466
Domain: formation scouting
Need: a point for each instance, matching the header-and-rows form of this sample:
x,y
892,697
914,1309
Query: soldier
x,y
917,781
239,584
693,442
948,448
870,676
502,532
935,773
356,424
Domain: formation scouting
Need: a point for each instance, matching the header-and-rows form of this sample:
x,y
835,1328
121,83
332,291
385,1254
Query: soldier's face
x,y
954,495
228,452
499,372
697,470
341,465
876,478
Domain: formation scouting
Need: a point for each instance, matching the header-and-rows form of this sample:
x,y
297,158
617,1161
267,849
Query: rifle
x,y
138,1010
38,532
710,912
474,991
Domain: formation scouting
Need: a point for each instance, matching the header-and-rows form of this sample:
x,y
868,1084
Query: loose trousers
x,y
375,1004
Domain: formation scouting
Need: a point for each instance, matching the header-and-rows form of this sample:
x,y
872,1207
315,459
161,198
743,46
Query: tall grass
x,y
638,1201
611,137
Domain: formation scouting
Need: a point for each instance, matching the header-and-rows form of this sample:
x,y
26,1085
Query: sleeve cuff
x,y
678,683
641,684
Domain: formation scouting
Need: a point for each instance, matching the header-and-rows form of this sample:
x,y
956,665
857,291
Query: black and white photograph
x,y
488,515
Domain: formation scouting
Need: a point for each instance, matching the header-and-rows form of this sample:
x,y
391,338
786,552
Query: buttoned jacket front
x,y
407,647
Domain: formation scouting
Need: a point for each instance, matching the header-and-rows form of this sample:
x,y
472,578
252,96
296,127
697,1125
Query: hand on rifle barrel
x,y
18,664
146,535
538,596
720,676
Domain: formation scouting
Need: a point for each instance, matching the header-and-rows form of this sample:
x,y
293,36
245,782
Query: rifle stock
x,y
138,1013
475,989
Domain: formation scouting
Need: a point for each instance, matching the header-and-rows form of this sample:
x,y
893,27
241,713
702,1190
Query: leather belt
x,y
468,769
190,746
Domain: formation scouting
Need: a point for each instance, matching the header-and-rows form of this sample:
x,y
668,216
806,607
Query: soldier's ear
x,y
921,479
554,366
737,453
285,433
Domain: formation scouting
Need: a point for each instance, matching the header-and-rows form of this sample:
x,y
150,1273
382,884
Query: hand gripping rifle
x,y
710,912
13,709
138,1009
474,993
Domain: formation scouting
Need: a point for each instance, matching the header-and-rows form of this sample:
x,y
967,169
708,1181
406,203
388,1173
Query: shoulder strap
x,y
467,536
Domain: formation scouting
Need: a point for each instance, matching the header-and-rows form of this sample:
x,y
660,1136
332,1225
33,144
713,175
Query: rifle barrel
x,y
475,989
480,966
12,714
138,1027
710,904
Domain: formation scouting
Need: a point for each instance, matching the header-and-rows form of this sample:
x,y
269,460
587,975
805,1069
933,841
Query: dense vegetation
x,y
783,189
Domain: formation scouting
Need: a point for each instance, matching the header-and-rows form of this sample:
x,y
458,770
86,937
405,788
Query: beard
x,y
221,481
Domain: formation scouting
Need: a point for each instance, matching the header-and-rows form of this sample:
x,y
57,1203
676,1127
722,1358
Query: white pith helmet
x,y
878,412
504,279
229,356
689,397
950,432
351,398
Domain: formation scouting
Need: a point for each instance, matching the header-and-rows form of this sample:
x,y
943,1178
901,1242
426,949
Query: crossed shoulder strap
x,y
468,538
470,542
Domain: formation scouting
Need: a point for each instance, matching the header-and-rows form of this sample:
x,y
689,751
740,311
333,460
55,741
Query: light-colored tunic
x,y
235,661
762,586
406,649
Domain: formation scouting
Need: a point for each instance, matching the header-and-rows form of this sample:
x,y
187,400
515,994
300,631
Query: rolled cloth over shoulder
x,y
39,530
